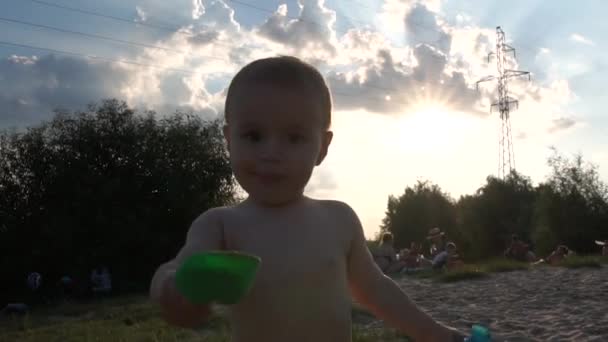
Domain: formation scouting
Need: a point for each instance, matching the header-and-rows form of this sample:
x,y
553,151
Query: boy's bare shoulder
x,y
209,222
340,211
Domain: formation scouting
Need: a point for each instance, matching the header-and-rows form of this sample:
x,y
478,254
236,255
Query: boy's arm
x,y
383,296
205,233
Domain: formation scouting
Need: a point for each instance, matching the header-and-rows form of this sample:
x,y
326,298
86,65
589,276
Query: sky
x,y
402,73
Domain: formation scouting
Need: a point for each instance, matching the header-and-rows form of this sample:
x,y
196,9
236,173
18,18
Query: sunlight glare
x,y
431,128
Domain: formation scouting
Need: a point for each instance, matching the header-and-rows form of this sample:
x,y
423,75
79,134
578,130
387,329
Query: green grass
x,y
468,272
504,265
483,269
134,319
587,261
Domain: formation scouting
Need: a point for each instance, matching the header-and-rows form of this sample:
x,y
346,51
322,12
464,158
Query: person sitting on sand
x,y
386,256
101,281
412,257
558,255
604,245
15,309
520,251
454,258
439,253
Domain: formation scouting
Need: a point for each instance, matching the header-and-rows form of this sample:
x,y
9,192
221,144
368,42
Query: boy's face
x,y
275,137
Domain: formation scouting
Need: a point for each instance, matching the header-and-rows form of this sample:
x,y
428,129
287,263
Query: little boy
x,y
313,252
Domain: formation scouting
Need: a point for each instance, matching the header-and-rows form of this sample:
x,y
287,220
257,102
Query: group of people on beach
x,y
66,287
443,254
521,251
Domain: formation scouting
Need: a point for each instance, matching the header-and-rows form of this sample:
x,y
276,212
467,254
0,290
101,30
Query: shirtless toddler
x,y
314,255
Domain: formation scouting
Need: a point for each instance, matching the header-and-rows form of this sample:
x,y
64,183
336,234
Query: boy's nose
x,y
272,151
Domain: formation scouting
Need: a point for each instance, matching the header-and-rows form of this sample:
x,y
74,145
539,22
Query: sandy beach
x,y
543,304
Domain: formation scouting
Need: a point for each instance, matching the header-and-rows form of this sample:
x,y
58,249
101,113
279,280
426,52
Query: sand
x,y
542,304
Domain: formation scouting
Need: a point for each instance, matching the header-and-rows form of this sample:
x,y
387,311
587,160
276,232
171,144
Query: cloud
x,y
423,27
197,9
388,86
203,37
312,30
31,87
217,15
561,124
322,182
581,39
141,14
365,69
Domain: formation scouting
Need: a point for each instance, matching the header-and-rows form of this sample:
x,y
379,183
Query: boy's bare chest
x,y
301,250
302,280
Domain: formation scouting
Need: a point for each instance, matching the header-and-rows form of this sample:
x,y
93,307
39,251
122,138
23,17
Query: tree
x,y
499,209
422,207
107,185
572,208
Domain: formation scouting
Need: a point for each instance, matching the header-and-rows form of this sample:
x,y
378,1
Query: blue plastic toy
x,y
479,334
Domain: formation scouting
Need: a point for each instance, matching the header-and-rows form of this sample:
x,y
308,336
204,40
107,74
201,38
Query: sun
x,y
430,127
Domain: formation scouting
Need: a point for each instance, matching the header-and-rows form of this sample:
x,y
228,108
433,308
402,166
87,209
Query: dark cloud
x,y
203,38
387,87
31,87
422,27
561,124
311,30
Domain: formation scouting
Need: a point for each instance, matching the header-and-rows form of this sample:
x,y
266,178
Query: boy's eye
x,y
252,136
296,138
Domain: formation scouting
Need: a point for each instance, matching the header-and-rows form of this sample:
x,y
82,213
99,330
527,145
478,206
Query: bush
x,y
106,185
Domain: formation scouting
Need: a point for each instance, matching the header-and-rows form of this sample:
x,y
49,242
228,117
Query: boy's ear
x,y
226,130
325,142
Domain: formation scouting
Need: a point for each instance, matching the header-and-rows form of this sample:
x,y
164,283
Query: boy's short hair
x,y
283,71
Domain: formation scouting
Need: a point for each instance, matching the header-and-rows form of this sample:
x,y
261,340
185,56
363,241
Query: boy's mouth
x,y
268,178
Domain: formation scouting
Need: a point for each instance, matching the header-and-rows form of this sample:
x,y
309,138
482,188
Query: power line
x,y
95,36
102,15
124,42
111,60
166,28
217,41
184,71
266,10
170,29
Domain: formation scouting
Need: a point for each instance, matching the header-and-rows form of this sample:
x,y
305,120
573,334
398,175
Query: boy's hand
x,y
176,309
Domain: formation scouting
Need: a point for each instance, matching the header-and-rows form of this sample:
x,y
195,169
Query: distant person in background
x,y
604,245
15,309
520,251
101,281
34,281
34,285
438,250
386,255
412,256
559,254
66,286
454,257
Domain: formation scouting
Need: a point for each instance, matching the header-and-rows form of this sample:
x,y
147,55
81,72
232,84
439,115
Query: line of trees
x,y
106,186
570,207
112,186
